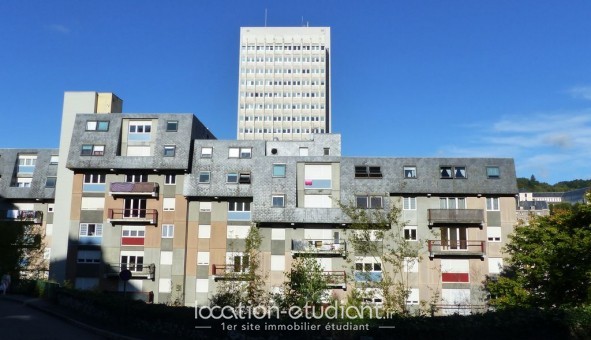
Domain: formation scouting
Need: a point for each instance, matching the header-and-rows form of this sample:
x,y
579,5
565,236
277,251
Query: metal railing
x,y
457,247
138,270
149,216
320,247
469,216
127,188
34,216
230,272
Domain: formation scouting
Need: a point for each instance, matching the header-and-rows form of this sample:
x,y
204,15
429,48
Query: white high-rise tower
x,y
284,83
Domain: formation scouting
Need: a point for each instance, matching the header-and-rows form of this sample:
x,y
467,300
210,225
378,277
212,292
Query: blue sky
x,y
431,78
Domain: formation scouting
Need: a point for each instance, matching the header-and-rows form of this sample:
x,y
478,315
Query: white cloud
x,y
582,92
58,28
553,146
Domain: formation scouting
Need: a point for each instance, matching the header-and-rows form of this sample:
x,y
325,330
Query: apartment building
x,y
28,179
158,195
284,83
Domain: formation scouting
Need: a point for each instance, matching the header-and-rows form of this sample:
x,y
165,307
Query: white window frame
x,y
133,231
205,206
495,265
204,231
206,152
168,204
281,197
494,234
168,231
410,171
409,203
84,229
493,204
208,173
410,229
170,179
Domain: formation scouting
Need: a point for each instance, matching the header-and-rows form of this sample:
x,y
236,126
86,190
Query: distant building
x,y
284,83
527,209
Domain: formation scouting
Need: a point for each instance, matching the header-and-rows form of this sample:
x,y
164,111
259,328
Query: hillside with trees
x,y
533,185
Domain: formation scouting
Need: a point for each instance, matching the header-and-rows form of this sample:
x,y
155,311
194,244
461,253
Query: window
x,y
50,207
244,178
91,229
239,152
204,176
26,163
94,125
168,204
278,263
410,172
50,182
93,183
279,170
453,172
92,150
206,152
139,130
203,258
88,256
445,171
278,201
166,257
493,172
232,178
239,261
410,233
167,230
205,206
452,203
54,160
172,125
362,171
493,234
133,231
327,151
492,203
136,178
134,207
495,265
238,206
368,268
132,260
413,297
369,202
204,231
409,203
24,182
170,179
169,150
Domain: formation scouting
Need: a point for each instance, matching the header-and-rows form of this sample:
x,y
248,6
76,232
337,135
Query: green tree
x,y
306,284
549,262
379,234
246,288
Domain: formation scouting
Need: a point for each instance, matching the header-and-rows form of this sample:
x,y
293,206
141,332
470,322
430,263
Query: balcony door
x,y
135,207
454,238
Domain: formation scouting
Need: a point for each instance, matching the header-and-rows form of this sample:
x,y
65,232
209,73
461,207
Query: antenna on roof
x,y
302,21
265,17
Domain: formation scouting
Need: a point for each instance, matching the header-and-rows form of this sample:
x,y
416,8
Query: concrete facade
x,y
284,83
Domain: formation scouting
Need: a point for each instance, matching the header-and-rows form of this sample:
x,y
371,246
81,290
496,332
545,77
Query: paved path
x,y
19,321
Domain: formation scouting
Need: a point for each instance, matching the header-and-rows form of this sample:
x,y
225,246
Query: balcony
x,y
147,216
319,247
453,216
137,189
336,279
368,276
459,309
239,216
29,216
229,272
461,248
138,271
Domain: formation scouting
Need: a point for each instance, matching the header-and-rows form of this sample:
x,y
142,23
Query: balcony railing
x,y
239,215
450,216
31,216
138,271
336,279
229,272
318,247
461,309
139,189
148,216
457,248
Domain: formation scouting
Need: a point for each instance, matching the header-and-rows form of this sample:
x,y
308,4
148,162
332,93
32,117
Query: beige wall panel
x,y
191,262
76,206
218,235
